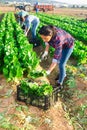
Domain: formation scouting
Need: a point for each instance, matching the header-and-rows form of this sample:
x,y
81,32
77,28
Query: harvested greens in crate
x,y
40,95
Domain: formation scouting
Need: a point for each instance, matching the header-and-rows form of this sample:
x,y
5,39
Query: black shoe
x,y
59,86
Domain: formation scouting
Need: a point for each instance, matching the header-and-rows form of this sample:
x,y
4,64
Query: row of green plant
x,y
68,19
76,27
16,54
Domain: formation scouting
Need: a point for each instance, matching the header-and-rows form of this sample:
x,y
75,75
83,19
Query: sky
x,y
81,2
73,1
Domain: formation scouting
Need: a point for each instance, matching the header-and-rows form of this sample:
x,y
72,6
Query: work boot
x,y
59,86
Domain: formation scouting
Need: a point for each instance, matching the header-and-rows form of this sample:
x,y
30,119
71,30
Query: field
x,y
70,112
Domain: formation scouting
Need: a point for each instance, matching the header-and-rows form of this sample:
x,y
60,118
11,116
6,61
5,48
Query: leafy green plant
x,y
33,89
35,74
16,54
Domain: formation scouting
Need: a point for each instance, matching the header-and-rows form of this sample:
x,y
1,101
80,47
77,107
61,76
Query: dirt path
x,y
7,9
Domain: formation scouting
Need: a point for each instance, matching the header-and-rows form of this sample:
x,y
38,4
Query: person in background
x,y
36,7
20,16
63,43
32,22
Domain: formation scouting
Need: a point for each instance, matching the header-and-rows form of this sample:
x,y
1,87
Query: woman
x,y
63,43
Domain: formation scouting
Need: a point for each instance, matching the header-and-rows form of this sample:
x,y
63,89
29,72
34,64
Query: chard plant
x,y
16,54
33,89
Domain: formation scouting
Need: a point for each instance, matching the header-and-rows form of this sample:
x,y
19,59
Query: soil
x,y
7,9
17,112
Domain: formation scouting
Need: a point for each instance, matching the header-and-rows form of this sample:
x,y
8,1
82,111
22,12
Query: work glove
x,y
44,56
48,72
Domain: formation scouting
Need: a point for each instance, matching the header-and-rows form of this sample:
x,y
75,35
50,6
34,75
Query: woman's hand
x,y
51,68
45,52
44,55
48,72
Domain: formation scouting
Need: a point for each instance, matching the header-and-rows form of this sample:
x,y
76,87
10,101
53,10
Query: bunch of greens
x,y
33,89
35,74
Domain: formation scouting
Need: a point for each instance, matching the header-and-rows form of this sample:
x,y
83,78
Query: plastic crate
x,y
44,102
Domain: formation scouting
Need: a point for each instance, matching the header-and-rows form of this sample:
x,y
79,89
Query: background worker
x,y
20,16
36,7
32,22
63,43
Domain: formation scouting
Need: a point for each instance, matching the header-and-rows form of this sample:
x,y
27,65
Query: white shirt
x,y
23,13
31,19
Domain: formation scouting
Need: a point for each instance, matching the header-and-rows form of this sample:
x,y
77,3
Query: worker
x,y
63,43
32,22
20,16
36,7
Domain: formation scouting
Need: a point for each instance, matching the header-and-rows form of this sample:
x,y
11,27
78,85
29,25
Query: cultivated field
x,y
70,112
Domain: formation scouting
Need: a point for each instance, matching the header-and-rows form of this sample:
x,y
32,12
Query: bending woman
x,y
63,43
